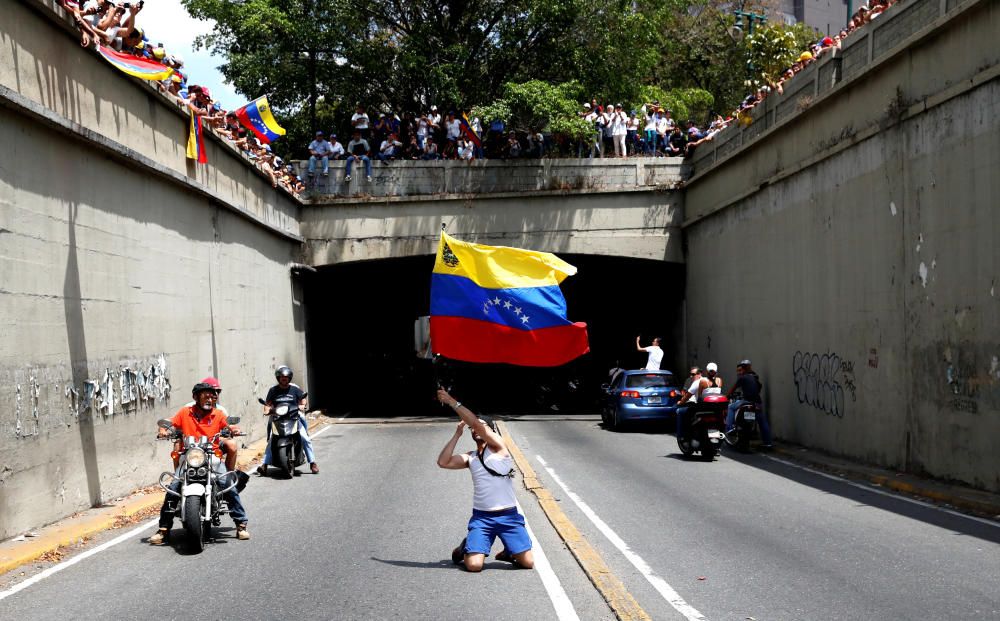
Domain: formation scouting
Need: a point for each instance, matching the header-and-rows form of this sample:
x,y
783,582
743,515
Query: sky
x,y
167,22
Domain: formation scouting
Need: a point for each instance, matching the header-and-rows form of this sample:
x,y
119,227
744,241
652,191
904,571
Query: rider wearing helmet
x,y
202,418
229,446
749,386
287,393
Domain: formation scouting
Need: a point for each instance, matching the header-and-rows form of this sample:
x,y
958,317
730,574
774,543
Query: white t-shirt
x,y
618,124
454,128
655,357
362,117
491,493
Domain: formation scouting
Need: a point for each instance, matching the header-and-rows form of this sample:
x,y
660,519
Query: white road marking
x,y
76,559
323,430
560,601
664,589
883,492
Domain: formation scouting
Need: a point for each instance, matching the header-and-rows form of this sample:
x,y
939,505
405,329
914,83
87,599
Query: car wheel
x,y
616,423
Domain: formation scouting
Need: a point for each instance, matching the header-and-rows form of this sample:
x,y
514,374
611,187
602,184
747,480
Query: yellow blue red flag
x,y
256,116
135,66
196,141
499,304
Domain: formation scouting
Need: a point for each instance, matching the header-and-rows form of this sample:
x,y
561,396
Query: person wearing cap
x,y
494,505
595,118
320,150
203,418
749,387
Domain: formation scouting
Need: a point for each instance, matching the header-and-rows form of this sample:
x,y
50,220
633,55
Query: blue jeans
x,y
681,413
364,158
312,164
765,425
307,445
651,137
171,504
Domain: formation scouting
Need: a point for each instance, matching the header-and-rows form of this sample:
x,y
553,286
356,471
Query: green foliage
x,y
773,48
538,106
684,103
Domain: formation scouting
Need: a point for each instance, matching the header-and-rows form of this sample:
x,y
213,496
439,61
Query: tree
x,y
539,106
773,48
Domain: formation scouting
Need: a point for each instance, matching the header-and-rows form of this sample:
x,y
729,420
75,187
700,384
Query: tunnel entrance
x,y
362,356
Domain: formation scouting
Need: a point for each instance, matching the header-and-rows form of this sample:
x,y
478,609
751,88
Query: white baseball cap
x,y
711,366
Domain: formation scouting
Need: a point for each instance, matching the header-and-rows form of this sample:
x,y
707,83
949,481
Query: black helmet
x,y
202,387
283,371
743,363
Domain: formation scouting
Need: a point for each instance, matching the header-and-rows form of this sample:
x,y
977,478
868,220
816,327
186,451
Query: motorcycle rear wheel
x,y
685,446
193,523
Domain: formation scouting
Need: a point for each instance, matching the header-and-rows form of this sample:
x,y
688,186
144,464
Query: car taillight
x,y
633,394
673,393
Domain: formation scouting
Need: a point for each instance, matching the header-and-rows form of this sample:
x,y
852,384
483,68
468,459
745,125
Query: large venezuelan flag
x,y
135,66
467,130
256,116
498,304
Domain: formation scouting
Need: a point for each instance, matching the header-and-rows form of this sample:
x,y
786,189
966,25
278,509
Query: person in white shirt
x,y
494,506
619,128
597,147
655,354
359,121
390,149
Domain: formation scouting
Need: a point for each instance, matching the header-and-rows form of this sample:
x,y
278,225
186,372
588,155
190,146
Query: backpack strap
x,y
509,475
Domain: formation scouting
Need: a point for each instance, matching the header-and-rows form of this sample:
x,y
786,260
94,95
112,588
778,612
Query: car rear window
x,y
650,380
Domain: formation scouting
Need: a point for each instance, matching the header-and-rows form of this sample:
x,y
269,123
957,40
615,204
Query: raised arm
x,y
637,346
448,459
480,428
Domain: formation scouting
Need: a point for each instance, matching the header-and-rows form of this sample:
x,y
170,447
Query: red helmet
x,y
211,382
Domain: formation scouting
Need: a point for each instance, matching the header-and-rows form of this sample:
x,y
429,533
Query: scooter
x,y
204,480
284,440
745,427
703,431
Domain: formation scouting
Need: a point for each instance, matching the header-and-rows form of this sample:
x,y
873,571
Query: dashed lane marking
x,y
621,602
661,586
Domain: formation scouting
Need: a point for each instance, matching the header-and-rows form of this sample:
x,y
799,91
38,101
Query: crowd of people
x,y
114,25
647,130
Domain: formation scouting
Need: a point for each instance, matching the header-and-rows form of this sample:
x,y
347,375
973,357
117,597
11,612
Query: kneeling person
x,y
494,507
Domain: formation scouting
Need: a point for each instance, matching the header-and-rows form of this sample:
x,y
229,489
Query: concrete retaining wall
x,y
478,177
125,276
641,224
851,253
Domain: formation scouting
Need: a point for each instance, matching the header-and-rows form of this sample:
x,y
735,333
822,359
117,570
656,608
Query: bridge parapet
x,y
440,179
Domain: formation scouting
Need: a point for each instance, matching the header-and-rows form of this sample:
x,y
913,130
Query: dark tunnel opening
x,y
362,355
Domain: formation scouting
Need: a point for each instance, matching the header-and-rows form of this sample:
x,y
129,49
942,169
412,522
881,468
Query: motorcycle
x,y
745,427
284,439
703,430
204,481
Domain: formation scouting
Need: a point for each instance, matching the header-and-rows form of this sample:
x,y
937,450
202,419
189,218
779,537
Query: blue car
x,y
640,395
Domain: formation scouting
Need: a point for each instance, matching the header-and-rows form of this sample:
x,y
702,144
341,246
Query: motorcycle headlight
x,y
195,457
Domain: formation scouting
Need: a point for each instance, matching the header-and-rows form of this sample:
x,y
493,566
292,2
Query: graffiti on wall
x,y
824,381
121,389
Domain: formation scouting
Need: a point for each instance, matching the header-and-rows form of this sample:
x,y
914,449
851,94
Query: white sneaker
x,y
347,179
368,178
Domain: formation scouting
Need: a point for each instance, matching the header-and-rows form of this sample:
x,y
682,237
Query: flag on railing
x,y
468,131
499,304
135,66
196,141
256,116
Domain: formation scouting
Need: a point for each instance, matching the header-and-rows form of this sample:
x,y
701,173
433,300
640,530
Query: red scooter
x,y
701,429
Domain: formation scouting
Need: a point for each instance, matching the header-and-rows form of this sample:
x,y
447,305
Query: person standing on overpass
x,y
494,507
655,354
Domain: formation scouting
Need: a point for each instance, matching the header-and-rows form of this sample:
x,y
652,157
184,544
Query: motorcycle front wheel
x,y
685,446
193,524
284,460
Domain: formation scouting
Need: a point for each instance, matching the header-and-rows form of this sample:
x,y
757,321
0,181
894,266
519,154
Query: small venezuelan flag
x,y
256,116
468,131
135,66
196,141
498,304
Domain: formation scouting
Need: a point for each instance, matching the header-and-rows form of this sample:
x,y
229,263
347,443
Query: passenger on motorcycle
x,y
287,393
749,386
201,419
708,384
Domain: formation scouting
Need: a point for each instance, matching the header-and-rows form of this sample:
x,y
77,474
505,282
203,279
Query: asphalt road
x,y
370,538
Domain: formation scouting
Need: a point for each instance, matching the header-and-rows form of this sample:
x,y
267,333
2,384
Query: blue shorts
x,y
485,526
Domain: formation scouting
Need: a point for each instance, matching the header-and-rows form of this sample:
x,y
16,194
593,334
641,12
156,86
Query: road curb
x,y
72,531
967,499
621,602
